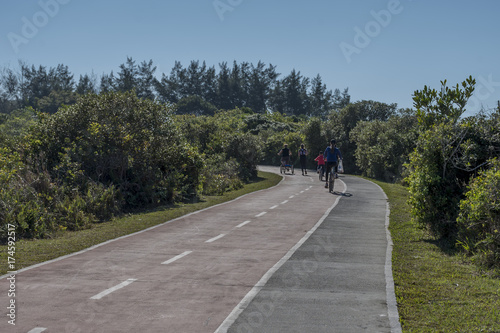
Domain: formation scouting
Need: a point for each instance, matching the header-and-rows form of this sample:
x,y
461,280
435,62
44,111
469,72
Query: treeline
x,y
196,89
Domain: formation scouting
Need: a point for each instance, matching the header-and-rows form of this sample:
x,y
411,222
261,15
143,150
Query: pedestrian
x,y
303,158
333,156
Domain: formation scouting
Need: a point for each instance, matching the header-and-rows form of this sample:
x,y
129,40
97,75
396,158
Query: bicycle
x,y
321,171
331,180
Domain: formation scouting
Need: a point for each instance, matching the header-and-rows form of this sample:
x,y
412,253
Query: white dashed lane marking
x,y
260,214
275,206
169,261
215,238
37,330
284,202
242,224
115,288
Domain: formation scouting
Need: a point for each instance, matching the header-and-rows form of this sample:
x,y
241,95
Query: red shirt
x,y
320,159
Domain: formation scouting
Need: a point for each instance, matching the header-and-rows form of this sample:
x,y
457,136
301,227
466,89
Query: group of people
x,y
327,159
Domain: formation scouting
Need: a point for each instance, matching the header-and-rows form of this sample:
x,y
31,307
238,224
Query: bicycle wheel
x,y
321,174
292,170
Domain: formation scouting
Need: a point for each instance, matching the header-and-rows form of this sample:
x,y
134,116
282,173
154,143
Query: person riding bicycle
x,y
285,155
321,162
332,156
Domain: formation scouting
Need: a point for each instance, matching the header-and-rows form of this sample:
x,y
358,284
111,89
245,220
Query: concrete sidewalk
x,y
338,280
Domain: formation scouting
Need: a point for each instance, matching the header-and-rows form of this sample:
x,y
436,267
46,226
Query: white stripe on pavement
x,y
259,215
284,202
215,238
37,330
273,207
169,261
115,288
242,224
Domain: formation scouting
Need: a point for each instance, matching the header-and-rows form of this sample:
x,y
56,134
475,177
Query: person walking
x,y
332,156
303,158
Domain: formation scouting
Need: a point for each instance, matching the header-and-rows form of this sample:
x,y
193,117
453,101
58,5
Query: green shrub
x,y
434,190
383,147
119,140
479,218
220,175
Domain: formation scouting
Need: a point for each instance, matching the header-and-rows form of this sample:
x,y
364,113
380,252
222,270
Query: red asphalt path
x,y
186,275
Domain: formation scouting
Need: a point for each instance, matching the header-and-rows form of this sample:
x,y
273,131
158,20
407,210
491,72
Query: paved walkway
x,y
292,258
336,280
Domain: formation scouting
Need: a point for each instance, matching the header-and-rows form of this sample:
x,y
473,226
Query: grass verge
x,y
31,252
437,290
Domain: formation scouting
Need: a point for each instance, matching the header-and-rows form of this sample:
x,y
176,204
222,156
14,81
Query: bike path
x,y
338,280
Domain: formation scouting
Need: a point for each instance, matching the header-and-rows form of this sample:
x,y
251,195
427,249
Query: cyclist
x,y
285,155
332,156
321,163
302,155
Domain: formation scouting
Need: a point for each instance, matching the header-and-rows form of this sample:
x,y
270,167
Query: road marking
x,y
115,288
169,261
215,238
284,202
37,330
291,197
259,215
301,191
242,224
245,302
275,206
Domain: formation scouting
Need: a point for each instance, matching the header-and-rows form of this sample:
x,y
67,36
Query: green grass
x,y
437,289
30,252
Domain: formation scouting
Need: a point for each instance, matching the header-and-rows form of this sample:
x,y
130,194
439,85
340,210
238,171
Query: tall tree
x,y
107,83
127,76
297,100
224,88
86,84
146,80
321,99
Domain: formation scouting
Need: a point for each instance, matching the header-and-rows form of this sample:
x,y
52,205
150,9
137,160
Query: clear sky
x,y
382,50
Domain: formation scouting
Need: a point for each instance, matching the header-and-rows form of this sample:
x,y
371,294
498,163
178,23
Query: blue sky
x,y
382,50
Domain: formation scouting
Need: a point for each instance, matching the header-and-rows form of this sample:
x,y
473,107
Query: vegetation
x,y
437,289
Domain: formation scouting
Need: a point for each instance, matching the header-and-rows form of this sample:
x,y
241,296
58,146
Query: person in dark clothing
x,y
332,157
303,160
285,155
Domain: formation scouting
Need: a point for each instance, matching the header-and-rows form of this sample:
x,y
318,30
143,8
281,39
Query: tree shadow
x,y
446,245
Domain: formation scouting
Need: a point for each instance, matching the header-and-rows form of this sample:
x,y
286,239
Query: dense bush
x,y
479,218
383,147
220,175
434,190
117,139
340,124
90,161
